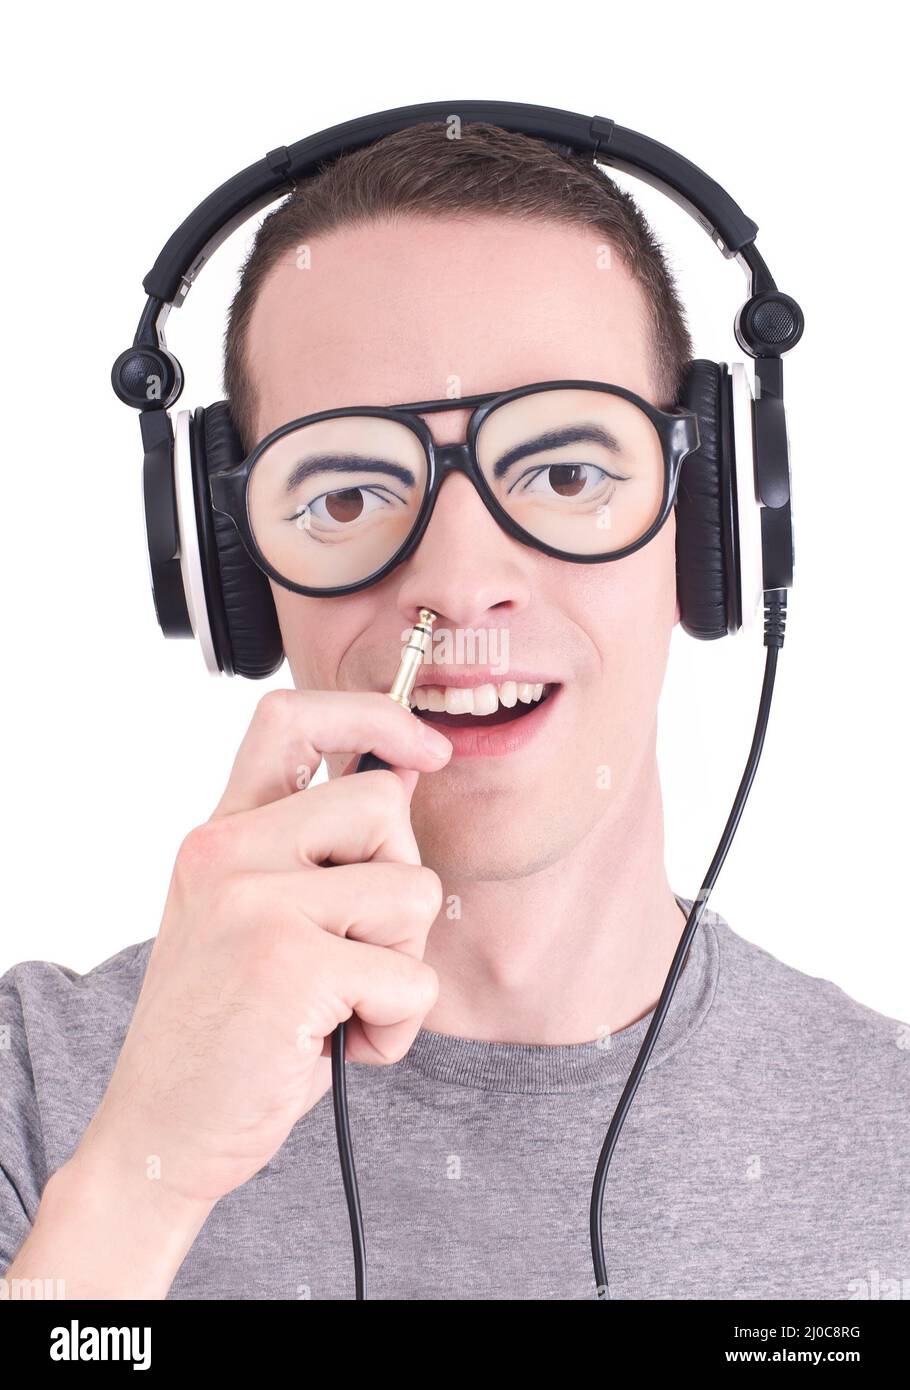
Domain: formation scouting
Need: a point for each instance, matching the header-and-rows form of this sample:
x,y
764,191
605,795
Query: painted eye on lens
x,y
335,510
568,480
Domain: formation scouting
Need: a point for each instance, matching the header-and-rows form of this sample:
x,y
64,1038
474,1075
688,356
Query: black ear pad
x,y
708,599
241,609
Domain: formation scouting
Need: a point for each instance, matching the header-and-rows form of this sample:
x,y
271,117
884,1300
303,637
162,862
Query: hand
x,y
264,947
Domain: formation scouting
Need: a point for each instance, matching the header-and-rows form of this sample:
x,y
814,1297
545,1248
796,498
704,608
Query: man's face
x,y
391,313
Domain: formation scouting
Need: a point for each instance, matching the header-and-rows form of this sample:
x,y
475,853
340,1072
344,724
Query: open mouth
x,y
480,706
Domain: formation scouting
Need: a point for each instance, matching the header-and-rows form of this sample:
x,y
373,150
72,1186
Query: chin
x,y
488,840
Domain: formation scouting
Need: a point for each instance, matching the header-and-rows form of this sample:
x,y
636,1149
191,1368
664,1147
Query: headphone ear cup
x,y
242,613
706,525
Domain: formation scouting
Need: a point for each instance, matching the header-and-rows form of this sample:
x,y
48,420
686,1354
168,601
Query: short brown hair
x,y
418,170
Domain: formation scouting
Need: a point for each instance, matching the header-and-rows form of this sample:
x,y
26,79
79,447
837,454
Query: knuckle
x,y
203,851
276,940
426,893
274,710
238,899
425,985
394,1051
222,907
270,944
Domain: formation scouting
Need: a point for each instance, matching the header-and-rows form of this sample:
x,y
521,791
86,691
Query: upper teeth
x,y
476,699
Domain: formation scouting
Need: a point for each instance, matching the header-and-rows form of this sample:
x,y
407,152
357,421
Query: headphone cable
x,y
346,1157
775,604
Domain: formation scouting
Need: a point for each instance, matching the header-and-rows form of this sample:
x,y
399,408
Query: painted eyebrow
x,y
553,439
348,463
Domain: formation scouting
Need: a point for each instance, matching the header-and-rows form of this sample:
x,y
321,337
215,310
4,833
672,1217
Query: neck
x,y
572,952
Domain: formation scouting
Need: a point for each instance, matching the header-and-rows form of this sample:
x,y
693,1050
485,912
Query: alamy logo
x,y
467,646
77,1343
878,1286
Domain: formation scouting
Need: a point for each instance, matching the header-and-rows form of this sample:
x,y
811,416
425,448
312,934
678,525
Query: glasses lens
x,y
580,470
331,502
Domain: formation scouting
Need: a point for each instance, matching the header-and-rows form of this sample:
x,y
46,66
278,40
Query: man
x,y
493,917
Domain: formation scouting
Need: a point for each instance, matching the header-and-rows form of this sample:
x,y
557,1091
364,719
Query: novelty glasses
x,y
581,470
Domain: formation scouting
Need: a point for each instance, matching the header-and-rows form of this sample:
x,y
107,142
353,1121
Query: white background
x,y
120,119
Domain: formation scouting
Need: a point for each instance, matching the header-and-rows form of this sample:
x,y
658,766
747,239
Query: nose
x,y
466,568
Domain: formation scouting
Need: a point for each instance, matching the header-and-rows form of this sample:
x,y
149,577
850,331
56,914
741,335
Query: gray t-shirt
x,y
767,1154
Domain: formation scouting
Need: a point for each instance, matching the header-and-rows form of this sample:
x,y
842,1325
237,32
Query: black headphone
x,y
734,536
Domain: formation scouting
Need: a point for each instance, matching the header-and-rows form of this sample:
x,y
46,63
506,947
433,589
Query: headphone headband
x,y
199,236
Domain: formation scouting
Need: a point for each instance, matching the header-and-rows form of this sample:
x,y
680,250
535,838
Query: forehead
x,y
424,308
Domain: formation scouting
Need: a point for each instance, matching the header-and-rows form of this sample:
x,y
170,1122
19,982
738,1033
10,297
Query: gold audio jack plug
x,y
415,651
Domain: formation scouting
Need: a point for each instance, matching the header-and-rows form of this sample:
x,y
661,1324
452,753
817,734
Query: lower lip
x,y
499,739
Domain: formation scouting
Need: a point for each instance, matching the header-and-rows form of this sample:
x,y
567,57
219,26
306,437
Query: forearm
x,y
107,1233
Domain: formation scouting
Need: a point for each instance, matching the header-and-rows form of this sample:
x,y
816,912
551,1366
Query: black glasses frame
x,y
677,430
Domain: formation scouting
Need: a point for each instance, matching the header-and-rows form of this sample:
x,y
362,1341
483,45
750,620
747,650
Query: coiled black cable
x,y
775,619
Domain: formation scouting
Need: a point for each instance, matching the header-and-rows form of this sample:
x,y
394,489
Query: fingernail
x,y
436,742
